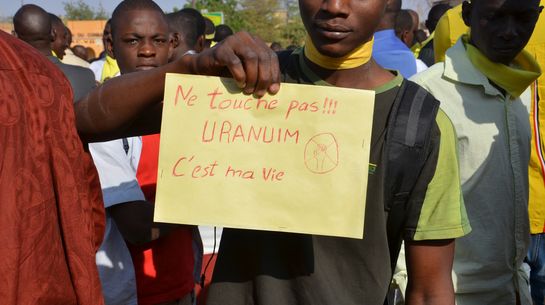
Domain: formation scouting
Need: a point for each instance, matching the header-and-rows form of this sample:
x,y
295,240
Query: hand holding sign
x,y
296,161
251,63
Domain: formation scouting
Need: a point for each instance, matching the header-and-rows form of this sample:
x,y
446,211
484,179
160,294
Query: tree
x,y
292,32
229,8
261,17
79,10
272,20
100,13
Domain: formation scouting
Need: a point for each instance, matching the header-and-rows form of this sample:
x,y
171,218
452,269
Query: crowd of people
x,y
455,208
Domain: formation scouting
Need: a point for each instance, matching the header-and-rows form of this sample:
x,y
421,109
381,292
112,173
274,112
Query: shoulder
x,y
78,74
433,73
17,55
109,149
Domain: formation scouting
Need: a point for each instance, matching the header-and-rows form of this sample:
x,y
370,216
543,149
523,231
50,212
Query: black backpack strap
x,y
406,149
283,59
126,145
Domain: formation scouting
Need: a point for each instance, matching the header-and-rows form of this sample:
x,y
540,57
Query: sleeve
x,y
117,176
442,214
449,28
441,39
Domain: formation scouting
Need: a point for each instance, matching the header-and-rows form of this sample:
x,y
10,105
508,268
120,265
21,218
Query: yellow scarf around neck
x,y
356,58
110,69
514,79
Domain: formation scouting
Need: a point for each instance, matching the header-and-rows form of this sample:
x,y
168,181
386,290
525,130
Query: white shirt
x,y
117,173
71,59
97,66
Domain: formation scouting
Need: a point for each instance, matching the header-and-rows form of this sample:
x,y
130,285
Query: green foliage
x,y
228,7
261,17
79,10
271,20
292,32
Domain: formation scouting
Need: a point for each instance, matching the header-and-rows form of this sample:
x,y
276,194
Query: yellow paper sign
x,y
294,162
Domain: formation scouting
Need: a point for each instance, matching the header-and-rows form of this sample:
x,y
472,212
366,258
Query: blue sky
x,y
9,7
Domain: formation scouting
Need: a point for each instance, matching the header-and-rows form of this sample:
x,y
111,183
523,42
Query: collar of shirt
x,y
459,68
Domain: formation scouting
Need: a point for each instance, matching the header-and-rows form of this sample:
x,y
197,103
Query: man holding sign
x,y
258,267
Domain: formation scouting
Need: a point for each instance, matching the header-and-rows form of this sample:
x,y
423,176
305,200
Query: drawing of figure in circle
x,y
322,153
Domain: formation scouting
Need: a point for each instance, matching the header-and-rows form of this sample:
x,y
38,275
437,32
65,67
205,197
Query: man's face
x,y
107,36
500,29
337,27
60,39
141,41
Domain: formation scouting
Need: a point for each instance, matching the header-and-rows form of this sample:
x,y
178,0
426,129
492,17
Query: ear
x,y
53,34
175,39
404,37
199,46
173,43
109,47
467,8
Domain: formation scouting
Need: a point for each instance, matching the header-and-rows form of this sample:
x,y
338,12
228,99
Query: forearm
x,y
107,112
135,222
443,296
111,110
429,270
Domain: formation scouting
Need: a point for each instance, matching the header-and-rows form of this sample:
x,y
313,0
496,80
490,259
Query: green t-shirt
x,y
271,268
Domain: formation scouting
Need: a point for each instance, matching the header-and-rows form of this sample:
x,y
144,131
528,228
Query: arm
x,y
123,197
109,111
429,267
135,222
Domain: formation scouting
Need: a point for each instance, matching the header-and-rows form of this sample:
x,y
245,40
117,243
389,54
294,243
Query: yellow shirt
x,y
110,69
449,28
536,46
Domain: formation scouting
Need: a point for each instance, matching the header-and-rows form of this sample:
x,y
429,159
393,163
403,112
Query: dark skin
x,y
107,34
60,38
80,51
388,19
141,44
500,29
131,103
337,27
33,25
142,47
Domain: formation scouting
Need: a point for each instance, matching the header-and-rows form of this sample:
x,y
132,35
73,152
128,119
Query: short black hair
x,y
189,23
131,5
404,22
393,6
55,20
222,32
435,14
209,27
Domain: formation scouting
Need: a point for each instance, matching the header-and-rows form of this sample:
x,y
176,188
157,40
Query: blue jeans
x,y
536,261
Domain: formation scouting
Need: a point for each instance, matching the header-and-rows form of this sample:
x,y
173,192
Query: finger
x,y
264,77
226,58
275,74
250,60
